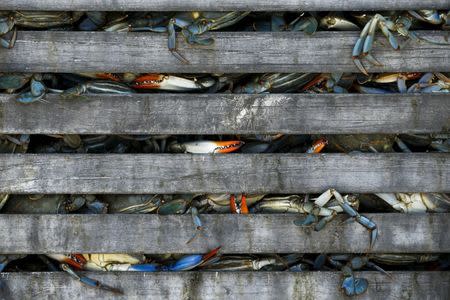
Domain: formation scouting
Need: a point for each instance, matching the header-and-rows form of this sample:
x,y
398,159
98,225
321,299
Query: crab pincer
x,y
354,215
191,261
89,281
238,207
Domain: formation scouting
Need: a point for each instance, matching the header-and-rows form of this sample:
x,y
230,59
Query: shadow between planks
x,y
225,285
227,114
232,52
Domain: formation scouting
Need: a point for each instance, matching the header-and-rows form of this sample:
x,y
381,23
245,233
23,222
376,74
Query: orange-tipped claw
x,y
238,209
244,207
233,205
148,81
318,146
76,260
228,146
210,254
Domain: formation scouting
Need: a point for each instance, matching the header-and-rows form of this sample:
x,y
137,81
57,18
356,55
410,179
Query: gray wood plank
x,y
255,233
235,52
260,173
225,285
227,114
208,5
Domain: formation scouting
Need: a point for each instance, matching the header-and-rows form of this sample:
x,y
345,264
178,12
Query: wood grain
x,y
255,233
232,173
211,5
225,285
227,114
232,52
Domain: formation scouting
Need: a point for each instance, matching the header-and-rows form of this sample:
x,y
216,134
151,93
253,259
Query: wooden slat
x,y
235,52
227,114
225,285
211,5
273,233
260,173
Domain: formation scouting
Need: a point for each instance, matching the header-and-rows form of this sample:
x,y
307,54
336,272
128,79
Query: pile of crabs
x,y
314,211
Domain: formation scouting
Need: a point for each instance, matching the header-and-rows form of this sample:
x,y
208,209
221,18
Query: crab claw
x,y
191,261
364,221
317,146
144,268
75,260
89,281
240,208
172,42
354,286
170,83
212,146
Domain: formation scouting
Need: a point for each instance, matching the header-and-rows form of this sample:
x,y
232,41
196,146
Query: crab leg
x,y
11,42
364,221
386,27
172,42
89,281
358,48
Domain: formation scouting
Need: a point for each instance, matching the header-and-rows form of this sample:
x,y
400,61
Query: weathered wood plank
x,y
227,114
211,5
123,233
235,52
225,285
259,173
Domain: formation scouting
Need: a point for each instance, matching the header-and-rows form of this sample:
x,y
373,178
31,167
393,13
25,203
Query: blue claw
x,y
354,286
145,268
172,42
186,263
28,97
191,261
89,281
